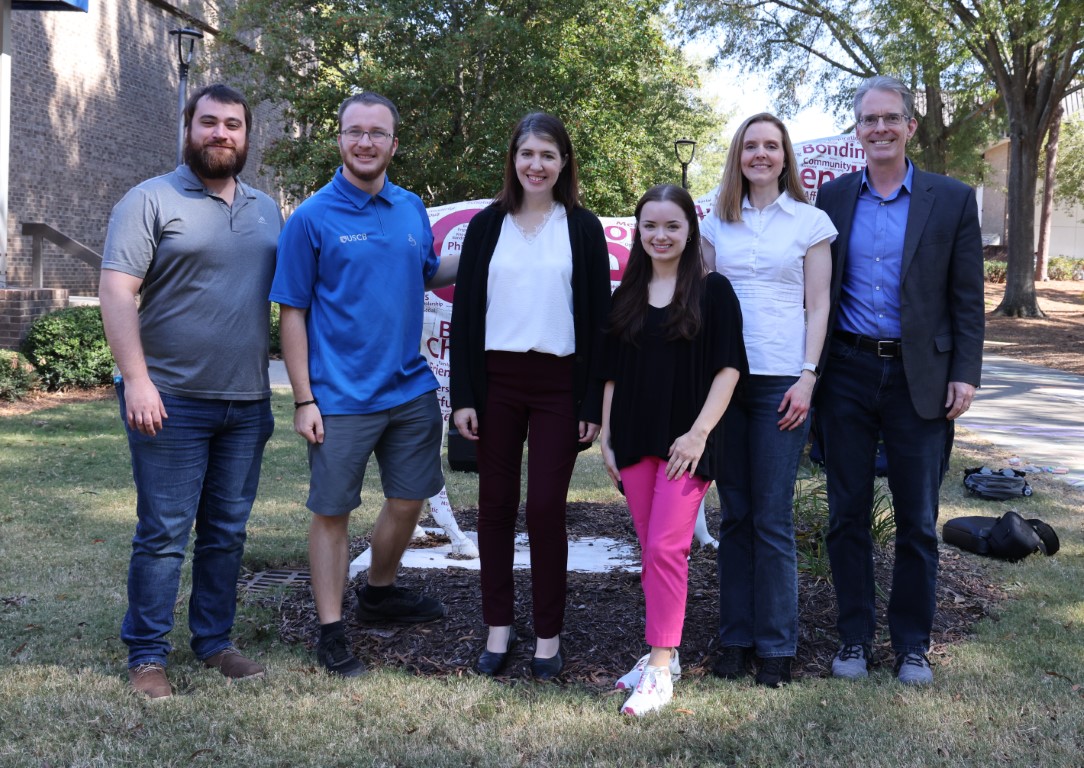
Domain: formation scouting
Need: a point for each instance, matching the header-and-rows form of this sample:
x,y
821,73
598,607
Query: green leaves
x,y
462,72
817,50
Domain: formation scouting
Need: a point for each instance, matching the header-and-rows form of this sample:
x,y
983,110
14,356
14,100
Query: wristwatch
x,y
812,368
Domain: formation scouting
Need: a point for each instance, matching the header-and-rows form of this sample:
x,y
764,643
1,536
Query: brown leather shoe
x,y
233,665
150,680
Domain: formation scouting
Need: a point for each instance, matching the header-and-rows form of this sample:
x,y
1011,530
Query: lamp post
x,y
186,45
685,149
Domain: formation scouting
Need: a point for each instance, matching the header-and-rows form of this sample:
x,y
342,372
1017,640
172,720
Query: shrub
x,y
17,377
995,271
1065,268
276,335
811,519
69,349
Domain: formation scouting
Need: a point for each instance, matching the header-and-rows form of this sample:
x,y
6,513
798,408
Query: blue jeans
x,y
863,395
757,561
202,468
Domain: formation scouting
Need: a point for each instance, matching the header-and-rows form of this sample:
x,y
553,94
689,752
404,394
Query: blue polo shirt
x,y
359,263
870,301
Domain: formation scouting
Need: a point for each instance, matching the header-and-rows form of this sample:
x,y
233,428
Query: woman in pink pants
x,y
673,356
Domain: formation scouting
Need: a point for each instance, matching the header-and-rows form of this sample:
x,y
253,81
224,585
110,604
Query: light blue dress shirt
x,y
870,300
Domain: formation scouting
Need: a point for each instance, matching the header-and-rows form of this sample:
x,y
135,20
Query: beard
x,y
215,161
371,173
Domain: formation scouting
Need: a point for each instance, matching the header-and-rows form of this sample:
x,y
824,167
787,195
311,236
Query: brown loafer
x,y
150,680
233,665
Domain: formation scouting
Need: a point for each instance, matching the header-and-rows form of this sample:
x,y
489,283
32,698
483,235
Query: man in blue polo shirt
x,y
354,262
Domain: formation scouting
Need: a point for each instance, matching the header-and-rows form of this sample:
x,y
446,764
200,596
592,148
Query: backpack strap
x,y
1048,539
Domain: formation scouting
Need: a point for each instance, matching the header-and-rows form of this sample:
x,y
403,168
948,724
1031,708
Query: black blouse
x,y
660,385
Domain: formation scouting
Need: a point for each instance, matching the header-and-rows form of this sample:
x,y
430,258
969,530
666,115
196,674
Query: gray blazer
x,y
942,311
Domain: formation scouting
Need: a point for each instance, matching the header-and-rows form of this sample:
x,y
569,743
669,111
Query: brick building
x,y
94,112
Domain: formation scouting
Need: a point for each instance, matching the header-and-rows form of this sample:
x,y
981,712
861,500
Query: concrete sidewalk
x,y
279,379
1033,412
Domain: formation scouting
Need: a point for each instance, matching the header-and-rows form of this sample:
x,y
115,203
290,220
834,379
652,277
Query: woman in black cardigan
x,y
530,300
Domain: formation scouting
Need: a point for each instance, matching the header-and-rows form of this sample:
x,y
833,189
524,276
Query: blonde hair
x,y
734,186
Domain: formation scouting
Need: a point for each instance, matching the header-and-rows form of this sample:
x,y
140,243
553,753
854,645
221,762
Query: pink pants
x,y
664,515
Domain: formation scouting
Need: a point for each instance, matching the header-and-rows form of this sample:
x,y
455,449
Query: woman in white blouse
x,y
531,296
775,249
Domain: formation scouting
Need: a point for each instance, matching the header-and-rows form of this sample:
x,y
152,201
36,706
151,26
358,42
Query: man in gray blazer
x,y
903,362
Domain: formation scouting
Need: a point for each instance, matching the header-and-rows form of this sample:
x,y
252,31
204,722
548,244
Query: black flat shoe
x,y
491,663
547,669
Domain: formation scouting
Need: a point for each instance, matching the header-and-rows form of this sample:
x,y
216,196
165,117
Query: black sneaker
x,y
732,663
774,671
334,655
401,606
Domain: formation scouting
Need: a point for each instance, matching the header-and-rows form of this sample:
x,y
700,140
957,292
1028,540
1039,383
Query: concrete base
x,y
586,555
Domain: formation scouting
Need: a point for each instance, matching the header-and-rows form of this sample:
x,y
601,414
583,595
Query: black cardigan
x,y
590,302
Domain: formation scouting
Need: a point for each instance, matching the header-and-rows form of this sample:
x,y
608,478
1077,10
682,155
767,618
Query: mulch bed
x,y
38,400
604,626
1056,340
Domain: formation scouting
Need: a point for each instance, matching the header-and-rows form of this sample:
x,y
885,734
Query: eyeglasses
x,y
376,136
891,119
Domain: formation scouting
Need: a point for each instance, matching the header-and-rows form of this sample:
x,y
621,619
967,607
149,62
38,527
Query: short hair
x,y
223,94
370,98
734,186
884,83
566,191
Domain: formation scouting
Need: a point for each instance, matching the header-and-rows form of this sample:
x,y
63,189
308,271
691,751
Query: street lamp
x,y
186,44
685,149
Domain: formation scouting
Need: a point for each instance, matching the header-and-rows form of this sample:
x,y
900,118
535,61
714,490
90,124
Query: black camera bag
x,y
1009,537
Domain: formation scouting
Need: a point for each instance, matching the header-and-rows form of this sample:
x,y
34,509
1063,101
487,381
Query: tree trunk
x,y
1042,257
1020,299
933,133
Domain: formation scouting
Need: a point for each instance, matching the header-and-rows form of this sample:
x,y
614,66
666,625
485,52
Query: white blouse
x,y
763,256
529,291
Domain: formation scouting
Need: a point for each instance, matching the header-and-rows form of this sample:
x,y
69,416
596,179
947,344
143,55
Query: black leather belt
x,y
879,347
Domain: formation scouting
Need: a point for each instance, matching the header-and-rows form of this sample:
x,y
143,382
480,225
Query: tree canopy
x,y
817,50
950,51
1070,169
461,73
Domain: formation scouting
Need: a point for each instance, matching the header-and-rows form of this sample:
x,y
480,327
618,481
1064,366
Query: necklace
x,y
530,233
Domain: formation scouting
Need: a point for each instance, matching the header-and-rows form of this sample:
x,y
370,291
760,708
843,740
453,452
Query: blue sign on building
x,y
50,5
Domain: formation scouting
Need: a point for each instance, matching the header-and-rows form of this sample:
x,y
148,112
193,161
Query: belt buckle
x,y
886,348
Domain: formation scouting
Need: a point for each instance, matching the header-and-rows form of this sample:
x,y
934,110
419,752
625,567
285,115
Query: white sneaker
x,y
630,679
652,693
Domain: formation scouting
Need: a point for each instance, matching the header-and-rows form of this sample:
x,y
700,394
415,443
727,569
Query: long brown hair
x,y
545,126
734,186
629,305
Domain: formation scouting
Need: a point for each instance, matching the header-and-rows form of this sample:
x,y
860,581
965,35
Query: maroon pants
x,y
529,398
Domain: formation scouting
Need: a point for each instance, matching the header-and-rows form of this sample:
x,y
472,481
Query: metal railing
x,y
42,232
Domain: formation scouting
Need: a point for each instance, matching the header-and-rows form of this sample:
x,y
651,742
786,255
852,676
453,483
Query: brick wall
x,y
20,307
94,112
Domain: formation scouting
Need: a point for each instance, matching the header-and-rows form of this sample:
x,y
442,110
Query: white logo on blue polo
x,y
262,220
411,240
353,238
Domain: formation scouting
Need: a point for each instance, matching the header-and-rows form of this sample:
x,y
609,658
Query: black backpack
x,y
1009,537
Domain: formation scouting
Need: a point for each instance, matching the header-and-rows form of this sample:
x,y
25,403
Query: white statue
x,y
701,533
441,510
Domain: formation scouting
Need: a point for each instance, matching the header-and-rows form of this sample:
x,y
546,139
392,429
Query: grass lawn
x,y
1013,694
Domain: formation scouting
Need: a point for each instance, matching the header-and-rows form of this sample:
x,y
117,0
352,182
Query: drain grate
x,y
265,581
